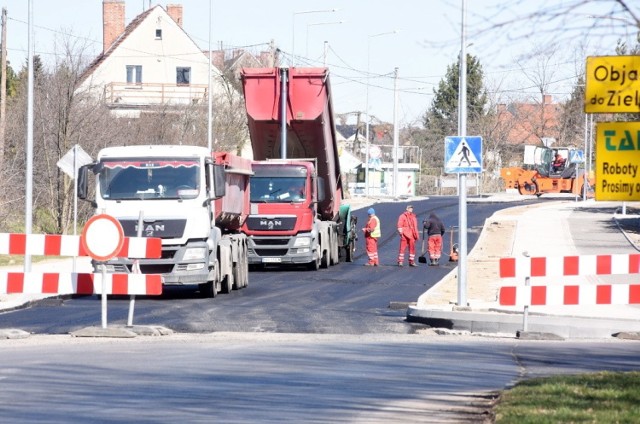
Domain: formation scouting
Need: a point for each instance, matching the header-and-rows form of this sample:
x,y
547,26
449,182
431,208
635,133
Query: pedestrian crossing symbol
x,y
462,155
576,156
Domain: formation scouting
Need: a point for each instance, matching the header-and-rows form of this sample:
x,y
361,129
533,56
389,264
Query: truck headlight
x,y
194,253
302,241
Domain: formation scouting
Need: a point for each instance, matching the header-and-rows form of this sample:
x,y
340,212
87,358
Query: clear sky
x,y
362,47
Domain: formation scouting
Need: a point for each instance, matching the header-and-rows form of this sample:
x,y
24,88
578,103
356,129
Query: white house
x,y
151,61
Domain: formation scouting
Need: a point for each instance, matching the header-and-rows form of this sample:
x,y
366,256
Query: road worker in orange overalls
x,y
408,231
371,235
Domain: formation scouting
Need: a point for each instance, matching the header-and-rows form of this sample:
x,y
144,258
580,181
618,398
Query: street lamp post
x,y
316,24
293,29
366,109
396,134
462,177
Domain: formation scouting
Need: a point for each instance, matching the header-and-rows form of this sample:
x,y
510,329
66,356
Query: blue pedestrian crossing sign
x,y
576,156
462,155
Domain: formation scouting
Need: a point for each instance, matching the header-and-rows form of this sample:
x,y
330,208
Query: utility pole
x,y
3,83
396,133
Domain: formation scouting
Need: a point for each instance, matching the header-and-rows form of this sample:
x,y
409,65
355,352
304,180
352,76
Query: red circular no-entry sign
x,y
102,237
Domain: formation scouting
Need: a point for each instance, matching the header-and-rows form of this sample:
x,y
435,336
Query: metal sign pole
x,y
104,295
525,313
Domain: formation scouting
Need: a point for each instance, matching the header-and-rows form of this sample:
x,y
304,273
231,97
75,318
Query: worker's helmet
x,y
371,211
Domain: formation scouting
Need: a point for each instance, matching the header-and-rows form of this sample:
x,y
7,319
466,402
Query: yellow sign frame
x,y
617,161
612,84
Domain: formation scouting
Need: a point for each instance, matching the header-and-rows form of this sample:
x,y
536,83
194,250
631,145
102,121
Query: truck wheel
x,y
208,289
227,283
240,274
335,251
349,250
314,265
324,262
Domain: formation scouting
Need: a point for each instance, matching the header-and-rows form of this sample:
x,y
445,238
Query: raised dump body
x,y
296,212
310,124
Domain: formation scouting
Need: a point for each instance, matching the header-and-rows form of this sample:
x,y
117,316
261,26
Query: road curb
x,y
495,322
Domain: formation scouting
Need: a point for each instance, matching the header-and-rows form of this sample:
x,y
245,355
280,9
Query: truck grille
x,y
271,241
162,228
271,252
271,223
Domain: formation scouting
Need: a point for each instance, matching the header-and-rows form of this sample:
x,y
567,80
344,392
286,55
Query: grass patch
x,y
604,397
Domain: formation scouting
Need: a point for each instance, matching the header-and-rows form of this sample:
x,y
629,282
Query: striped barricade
x,y
66,245
568,266
583,295
77,283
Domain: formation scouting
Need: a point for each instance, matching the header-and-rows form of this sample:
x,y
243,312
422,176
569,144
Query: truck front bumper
x,y
299,249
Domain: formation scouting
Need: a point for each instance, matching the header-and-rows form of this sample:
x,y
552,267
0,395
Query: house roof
x,y
104,55
528,123
129,29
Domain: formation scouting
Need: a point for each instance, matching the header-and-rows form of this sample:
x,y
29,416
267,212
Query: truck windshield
x,y
149,179
277,190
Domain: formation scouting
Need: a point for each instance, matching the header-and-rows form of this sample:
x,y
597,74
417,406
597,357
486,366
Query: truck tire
x,y
240,271
335,250
314,265
227,283
324,262
349,251
208,289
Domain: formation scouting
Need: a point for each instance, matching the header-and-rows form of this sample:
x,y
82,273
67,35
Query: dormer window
x,y
158,34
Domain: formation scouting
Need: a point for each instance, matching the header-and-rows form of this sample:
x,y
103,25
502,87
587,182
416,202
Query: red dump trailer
x,y
297,215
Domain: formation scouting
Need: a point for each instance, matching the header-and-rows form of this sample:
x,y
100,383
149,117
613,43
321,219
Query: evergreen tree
x,y
441,119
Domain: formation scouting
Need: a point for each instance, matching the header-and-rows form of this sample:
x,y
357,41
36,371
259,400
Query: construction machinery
x,y
297,215
193,199
541,173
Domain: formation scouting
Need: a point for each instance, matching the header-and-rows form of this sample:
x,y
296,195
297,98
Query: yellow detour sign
x,y
612,84
618,161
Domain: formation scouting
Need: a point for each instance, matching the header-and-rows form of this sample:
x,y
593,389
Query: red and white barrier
x,y
583,295
522,267
568,266
68,245
80,283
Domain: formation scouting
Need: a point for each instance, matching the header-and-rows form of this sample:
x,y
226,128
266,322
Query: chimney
x,y
175,11
112,22
547,99
217,59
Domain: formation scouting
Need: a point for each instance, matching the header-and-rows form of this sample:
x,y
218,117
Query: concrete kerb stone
x,y
491,322
121,331
13,333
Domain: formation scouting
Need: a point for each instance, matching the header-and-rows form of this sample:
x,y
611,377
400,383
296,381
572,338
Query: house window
x,y
134,74
158,34
183,75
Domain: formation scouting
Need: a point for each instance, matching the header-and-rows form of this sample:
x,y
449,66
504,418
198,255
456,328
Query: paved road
x,y
274,378
347,298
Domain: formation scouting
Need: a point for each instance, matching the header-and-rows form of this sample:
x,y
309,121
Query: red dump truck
x,y
297,215
196,201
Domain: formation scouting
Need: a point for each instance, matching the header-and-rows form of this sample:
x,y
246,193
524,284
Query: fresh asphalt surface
x,y
344,299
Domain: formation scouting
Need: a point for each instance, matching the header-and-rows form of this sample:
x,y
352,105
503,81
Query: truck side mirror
x,y
219,180
83,181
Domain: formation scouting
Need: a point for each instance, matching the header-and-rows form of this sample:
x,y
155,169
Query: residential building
x,y
530,123
150,62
